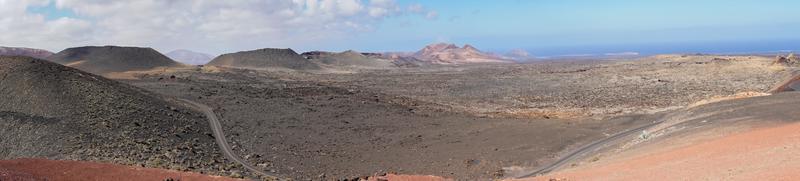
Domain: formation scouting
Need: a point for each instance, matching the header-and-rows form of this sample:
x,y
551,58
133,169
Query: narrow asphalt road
x,y
574,155
219,135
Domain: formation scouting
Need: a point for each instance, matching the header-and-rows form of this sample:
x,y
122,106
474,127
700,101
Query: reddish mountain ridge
x,y
444,53
20,51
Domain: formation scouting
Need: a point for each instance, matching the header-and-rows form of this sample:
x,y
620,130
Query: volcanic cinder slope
x,y
20,51
268,58
107,59
57,112
189,57
348,58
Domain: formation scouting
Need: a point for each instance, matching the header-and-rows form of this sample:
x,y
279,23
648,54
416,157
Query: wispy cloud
x,y
419,9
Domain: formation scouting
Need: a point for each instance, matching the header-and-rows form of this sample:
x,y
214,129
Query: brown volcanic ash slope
x,y
265,59
107,59
57,112
760,154
743,139
190,57
442,53
19,51
348,58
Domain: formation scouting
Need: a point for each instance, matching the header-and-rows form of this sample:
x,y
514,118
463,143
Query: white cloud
x,y
377,12
19,28
381,8
432,15
349,7
419,9
416,8
209,25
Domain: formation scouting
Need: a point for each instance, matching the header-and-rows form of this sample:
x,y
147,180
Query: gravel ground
x,y
308,130
460,121
463,121
572,89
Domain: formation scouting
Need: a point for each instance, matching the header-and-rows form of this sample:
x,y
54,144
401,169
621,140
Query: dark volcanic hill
x,y
52,111
20,51
348,58
263,59
190,57
106,59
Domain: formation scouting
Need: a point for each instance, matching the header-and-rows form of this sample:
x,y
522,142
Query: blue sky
x,y
542,27
577,27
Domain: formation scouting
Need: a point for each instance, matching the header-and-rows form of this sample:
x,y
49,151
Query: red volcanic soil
x,y
393,177
42,169
761,154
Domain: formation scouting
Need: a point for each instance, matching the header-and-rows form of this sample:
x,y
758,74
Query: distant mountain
x,y
189,57
443,53
20,51
265,58
349,58
107,59
400,59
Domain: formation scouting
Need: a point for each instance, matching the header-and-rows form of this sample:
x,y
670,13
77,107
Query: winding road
x,y
574,155
219,135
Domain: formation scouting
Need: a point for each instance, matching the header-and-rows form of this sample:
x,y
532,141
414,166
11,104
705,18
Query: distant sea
x,y
744,47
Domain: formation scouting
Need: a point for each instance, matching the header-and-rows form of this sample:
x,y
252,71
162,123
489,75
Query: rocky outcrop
x,y
107,59
20,51
790,60
265,59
